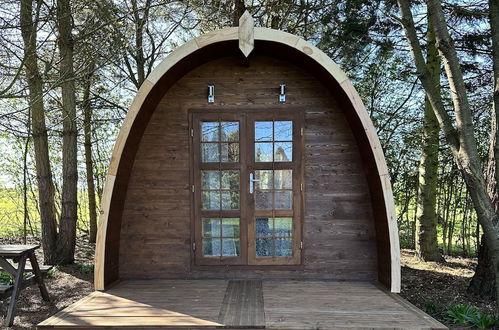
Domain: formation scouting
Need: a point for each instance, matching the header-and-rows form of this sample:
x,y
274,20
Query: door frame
x,y
246,147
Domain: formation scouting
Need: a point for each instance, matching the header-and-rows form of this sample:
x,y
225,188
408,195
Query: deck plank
x,y
243,305
204,304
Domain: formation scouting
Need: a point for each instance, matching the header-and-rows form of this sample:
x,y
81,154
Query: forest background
x,y
69,70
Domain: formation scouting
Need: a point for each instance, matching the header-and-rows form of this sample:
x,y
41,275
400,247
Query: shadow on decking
x,y
217,304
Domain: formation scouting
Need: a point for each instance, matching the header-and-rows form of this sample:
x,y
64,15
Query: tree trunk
x,y
239,9
426,220
482,282
89,164
460,136
39,131
67,225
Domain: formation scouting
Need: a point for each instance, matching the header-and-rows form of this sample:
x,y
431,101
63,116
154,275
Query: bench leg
x,y
18,280
38,276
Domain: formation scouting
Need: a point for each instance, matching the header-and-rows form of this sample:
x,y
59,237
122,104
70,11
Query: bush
x,y
465,314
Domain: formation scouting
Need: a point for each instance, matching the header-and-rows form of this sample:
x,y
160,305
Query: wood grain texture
x,y
180,304
214,44
243,305
156,231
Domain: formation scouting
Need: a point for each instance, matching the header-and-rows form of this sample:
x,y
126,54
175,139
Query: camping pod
x,y
247,154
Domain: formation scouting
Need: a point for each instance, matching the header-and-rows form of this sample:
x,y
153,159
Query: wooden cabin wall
x,y
338,232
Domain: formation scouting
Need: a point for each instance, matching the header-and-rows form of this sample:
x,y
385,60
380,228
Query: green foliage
x,y
85,268
460,313
466,314
432,307
5,278
484,321
51,273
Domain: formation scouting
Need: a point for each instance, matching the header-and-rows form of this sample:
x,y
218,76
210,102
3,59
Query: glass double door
x,y
247,187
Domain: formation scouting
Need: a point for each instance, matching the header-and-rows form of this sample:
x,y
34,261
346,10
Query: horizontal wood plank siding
x,y
338,230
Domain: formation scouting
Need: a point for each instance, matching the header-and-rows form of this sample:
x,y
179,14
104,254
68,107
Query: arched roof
x,y
364,130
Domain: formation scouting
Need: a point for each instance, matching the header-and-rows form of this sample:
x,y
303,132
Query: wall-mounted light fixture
x,y
211,93
282,93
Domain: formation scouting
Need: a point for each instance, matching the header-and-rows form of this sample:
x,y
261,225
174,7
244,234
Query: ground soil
x,y
430,286
433,286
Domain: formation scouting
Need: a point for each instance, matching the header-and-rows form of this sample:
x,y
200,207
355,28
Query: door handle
x,y
252,182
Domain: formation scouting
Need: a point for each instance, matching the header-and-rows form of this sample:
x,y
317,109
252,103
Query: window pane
x,y
211,200
211,227
230,247
210,180
210,152
230,200
283,179
263,227
263,152
212,247
283,247
283,227
229,131
263,131
230,152
283,200
283,131
263,200
230,227
230,180
283,151
265,177
210,131
264,247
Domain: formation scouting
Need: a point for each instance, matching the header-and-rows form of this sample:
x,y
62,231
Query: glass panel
x,y
211,227
283,227
230,180
211,200
229,131
210,131
263,131
283,131
283,247
230,247
283,179
210,152
263,152
264,247
283,200
211,247
230,200
210,179
265,177
263,227
230,152
230,227
263,200
283,151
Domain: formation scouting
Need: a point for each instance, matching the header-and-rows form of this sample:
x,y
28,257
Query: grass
x,y
12,213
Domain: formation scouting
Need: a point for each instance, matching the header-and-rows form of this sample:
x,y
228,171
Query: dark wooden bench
x,y
19,254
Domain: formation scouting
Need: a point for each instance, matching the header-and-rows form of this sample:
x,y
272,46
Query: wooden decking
x,y
195,304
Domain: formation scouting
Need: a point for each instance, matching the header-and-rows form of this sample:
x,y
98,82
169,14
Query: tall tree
x,y
483,282
67,225
39,129
426,216
458,133
89,163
